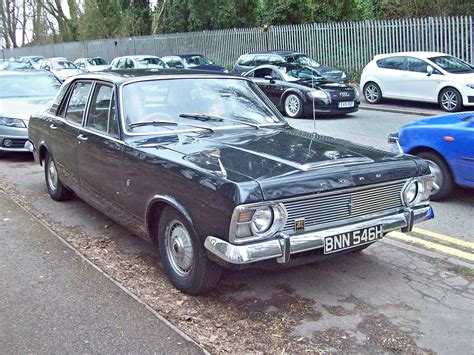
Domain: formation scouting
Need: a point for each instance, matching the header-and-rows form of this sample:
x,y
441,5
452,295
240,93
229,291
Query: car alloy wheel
x,y
438,178
449,100
179,248
372,93
293,106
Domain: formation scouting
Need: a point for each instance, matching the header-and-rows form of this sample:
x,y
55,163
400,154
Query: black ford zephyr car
x,y
298,90
206,167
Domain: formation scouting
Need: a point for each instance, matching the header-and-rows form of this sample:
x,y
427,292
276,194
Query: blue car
x,y
447,142
191,61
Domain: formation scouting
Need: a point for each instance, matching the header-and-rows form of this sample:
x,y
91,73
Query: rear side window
x,y
98,117
77,102
246,60
396,63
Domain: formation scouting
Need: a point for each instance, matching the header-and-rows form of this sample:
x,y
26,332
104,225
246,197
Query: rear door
x,y
63,132
99,150
390,74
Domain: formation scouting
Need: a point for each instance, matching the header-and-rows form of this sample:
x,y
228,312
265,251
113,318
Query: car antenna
x,y
314,113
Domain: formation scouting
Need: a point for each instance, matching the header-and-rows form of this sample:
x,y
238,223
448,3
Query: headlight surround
x,y
417,191
318,94
12,122
255,222
471,86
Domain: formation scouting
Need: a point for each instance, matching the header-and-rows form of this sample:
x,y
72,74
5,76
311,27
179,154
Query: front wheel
x,y
442,179
57,190
450,100
293,106
183,255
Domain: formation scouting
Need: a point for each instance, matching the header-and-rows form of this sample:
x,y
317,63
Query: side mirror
x,y
429,70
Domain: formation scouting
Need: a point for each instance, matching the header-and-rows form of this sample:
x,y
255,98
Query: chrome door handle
x,y
82,137
53,126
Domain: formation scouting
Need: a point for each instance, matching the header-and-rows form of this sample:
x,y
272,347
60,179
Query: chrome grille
x,y
340,206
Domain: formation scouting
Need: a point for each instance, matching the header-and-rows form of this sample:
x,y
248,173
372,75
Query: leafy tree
x,y
285,12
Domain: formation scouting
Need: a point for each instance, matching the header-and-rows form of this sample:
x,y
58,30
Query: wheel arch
x,y
419,149
154,209
290,91
42,151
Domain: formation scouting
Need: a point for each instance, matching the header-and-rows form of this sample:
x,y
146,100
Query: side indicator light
x,y
448,138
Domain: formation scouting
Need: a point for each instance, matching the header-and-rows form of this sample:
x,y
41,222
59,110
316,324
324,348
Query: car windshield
x,y
96,61
14,65
152,62
37,85
452,64
303,60
196,60
63,64
188,101
298,73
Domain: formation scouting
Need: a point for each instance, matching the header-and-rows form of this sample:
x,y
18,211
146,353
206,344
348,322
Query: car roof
x,y
122,76
24,71
423,55
188,55
277,52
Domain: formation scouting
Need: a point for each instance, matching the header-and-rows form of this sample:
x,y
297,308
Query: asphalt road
x,y
398,296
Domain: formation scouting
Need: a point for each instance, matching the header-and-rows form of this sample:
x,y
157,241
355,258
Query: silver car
x,y
22,93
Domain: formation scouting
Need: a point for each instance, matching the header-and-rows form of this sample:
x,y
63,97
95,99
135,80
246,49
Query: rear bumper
x,y
282,247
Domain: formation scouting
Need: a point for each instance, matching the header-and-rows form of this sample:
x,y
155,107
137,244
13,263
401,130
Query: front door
x,y
63,133
416,84
99,152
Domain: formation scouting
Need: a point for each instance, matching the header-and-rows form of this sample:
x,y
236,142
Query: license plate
x,y
338,242
345,104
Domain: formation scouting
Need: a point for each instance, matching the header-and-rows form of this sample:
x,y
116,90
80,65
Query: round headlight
x,y
410,193
262,220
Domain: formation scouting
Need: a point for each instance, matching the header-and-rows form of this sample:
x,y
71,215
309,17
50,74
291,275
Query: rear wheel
x,y
57,190
293,106
443,180
450,100
183,255
372,93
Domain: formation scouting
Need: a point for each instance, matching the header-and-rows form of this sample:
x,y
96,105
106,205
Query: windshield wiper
x,y
166,123
206,117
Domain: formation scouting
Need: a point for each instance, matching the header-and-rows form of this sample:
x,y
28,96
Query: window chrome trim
x,y
174,77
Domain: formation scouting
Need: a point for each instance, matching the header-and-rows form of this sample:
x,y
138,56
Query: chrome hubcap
x,y
292,105
179,248
52,175
437,176
449,100
371,93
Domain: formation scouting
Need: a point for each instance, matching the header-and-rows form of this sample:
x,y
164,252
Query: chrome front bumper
x,y
283,246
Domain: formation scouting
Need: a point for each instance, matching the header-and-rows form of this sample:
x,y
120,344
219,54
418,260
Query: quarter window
x,y
98,116
77,102
113,119
396,63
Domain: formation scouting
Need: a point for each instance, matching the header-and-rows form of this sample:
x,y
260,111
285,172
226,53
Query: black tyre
x,y
450,100
372,93
443,179
183,255
293,106
57,190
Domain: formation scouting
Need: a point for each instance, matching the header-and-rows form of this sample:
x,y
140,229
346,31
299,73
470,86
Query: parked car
x,y
33,60
251,60
138,62
62,68
22,93
16,64
92,64
191,61
297,90
420,76
447,143
204,166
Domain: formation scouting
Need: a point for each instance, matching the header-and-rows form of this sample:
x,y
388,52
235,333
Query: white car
x,y
419,76
138,62
33,60
92,64
62,68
